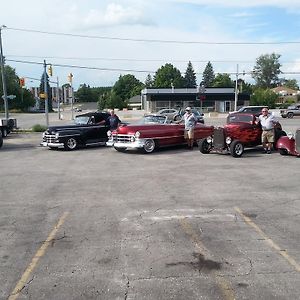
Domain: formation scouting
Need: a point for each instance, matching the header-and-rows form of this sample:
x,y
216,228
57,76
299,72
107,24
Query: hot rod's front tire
x,y
203,146
236,149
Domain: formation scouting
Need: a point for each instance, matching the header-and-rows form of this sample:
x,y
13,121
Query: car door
x,y
96,132
297,110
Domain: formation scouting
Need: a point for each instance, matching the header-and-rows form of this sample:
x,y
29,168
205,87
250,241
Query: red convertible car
x,y
289,144
241,131
152,132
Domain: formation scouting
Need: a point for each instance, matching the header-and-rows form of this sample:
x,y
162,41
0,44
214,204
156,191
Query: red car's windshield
x,y
239,118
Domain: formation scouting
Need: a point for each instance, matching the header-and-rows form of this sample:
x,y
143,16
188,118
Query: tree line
x,y
265,74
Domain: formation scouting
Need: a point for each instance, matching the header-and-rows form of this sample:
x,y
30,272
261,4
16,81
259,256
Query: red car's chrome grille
x,y
122,138
218,140
297,139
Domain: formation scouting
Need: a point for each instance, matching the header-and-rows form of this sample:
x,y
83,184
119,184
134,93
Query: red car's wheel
x,y
283,151
204,146
236,149
149,146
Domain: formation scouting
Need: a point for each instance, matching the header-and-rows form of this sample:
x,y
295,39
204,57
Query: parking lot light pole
x,y
46,94
3,76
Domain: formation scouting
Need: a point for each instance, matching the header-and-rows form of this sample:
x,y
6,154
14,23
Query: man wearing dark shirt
x,y
113,120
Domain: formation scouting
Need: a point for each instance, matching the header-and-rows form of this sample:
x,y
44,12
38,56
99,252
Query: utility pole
x,y
3,76
70,78
46,94
236,88
58,98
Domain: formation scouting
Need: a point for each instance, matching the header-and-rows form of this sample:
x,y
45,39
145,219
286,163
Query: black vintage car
x,y
88,129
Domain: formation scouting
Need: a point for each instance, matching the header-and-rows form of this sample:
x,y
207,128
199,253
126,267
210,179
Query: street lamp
x,y
236,86
201,91
3,75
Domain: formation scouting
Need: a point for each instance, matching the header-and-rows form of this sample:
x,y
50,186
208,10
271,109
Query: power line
x,y
81,67
130,70
149,40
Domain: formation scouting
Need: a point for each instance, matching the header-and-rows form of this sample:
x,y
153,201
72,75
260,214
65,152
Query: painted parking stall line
x,y
269,241
39,254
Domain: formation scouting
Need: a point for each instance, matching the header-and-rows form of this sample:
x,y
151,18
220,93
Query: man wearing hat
x,y
189,125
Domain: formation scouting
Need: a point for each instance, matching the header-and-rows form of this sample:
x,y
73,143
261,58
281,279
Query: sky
x,y
97,41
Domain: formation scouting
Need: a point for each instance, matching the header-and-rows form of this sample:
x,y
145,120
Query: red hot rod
x,y
241,131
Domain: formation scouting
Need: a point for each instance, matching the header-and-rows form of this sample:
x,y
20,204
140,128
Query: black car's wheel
x,y
120,149
71,144
236,149
149,146
290,115
204,146
283,151
1,141
4,132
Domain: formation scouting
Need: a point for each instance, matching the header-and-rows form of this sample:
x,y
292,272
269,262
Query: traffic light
x,y
50,70
22,81
70,77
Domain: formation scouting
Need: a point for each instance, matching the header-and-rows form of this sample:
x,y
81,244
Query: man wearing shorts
x,y
267,121
189,126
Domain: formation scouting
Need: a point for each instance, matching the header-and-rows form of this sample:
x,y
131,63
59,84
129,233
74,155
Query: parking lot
x,y
98,224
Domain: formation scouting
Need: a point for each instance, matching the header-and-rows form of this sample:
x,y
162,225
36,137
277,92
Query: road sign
x,y
10,97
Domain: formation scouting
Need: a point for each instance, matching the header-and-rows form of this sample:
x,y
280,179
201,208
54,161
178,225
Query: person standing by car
x,y
267,121
189,125
113,120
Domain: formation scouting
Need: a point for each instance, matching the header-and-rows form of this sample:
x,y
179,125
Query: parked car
x,y
291,111
152,132
199,116
177,114
251,109
169,112
7,126
289,144
85,131
241,131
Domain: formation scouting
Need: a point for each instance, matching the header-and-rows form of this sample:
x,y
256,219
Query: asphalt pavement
x,y
175,224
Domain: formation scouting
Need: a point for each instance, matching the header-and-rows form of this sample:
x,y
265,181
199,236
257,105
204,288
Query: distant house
x,y
135,102
285,93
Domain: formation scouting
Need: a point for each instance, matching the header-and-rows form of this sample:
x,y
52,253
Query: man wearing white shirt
x,y
267,121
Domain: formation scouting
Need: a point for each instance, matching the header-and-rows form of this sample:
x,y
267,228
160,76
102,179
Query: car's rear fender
x,y
286,143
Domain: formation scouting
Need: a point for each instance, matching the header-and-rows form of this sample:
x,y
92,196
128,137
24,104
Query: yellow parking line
x,y
272,244
39,254
223,283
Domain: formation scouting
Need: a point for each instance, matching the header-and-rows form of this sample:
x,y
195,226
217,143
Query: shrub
x,y
38,128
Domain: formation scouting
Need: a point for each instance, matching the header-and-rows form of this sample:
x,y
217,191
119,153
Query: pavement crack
x,y
127,288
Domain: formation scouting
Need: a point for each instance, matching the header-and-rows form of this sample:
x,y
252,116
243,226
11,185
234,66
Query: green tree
x,y
24,99
149,81
86,94
208,75
190,77
42,90
127,86
263,96
266,70
168,76
222,80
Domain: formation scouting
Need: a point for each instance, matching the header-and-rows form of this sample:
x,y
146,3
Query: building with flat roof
x,y
210,99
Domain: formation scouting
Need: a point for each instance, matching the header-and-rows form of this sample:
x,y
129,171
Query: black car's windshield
x,y
81,120
151,119
239,118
